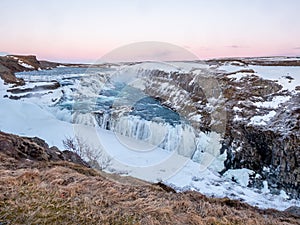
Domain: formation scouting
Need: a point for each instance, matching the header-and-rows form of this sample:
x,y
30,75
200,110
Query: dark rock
x,y
34,149
52,86
9,65
73,157
294,210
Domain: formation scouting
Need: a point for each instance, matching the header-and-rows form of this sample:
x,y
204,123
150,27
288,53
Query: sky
x,y
88,30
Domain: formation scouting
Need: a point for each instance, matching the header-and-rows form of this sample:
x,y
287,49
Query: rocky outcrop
x,y
11,64
228,105
48,86
28,150
273,151
9,77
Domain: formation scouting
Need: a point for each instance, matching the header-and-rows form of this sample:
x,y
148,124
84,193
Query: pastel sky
x,y
85,30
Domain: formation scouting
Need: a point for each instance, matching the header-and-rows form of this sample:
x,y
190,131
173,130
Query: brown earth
x,y
9,65
42,185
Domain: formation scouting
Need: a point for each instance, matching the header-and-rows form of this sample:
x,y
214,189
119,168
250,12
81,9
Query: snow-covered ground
x,y
34,117
281,74
288,77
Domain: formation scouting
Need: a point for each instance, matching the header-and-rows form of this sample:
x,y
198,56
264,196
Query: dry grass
x,y
66,193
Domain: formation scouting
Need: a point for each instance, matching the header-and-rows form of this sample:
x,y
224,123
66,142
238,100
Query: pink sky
x,y
84,31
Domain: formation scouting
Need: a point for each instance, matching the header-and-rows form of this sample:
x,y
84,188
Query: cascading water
x,y
114,103
143,119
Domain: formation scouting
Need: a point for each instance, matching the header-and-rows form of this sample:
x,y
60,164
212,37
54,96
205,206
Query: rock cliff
x,y
258,117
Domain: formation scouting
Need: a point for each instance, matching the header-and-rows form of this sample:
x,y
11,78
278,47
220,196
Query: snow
x,y
237,118
228,68
274,104
239,75
237,109
196,118
279,73
262,120
21,63
28,119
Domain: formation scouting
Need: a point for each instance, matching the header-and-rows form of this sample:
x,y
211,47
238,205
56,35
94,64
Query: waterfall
x,y
180,137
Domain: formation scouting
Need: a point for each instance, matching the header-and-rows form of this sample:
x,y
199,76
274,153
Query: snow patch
x,y
281,74
262,120
21,63
274,104
238,76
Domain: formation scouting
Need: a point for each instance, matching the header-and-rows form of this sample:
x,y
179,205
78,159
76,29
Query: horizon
x,y
99,62
77,32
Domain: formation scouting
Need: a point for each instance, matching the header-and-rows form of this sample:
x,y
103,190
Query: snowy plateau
x,y
223,127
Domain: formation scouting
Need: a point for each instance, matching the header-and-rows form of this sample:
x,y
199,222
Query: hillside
x,y
42,185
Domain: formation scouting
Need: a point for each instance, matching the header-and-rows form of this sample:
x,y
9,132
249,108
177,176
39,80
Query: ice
x,y
208,149
241,176
179,138
211,184
283,194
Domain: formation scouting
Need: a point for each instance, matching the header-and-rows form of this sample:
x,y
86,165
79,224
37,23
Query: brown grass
x,y
66,193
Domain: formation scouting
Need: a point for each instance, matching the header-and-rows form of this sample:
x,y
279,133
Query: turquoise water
x,y
113,95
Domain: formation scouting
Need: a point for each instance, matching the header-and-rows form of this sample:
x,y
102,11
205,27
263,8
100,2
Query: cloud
x,y
297,48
